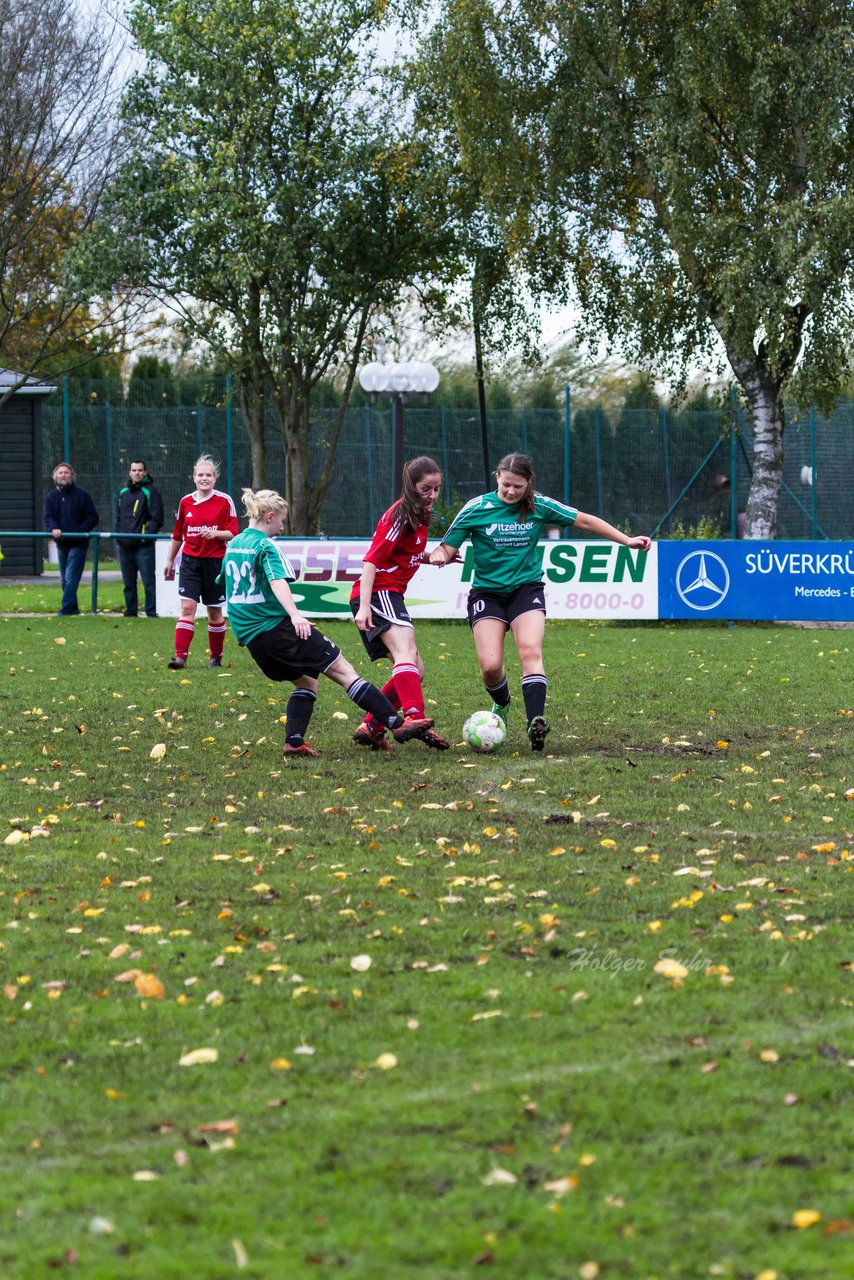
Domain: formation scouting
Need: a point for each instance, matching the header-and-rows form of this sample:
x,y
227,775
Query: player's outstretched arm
x,y
282,592
443,554
601,529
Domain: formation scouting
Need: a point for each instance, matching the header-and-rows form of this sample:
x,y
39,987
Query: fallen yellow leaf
x,y
148,985
198,1057
561,1186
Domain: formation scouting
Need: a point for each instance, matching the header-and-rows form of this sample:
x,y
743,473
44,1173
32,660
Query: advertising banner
x,y
750,581
582,580
775,581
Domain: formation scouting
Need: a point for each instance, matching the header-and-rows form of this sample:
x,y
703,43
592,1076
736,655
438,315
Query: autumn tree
x,y
57,144
273,197
683,169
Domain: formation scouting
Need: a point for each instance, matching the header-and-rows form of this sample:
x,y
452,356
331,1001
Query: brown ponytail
x,y
410,505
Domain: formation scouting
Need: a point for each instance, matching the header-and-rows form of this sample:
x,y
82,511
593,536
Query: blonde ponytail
x,y
258,502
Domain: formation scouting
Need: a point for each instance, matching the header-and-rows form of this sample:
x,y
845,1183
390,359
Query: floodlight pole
x,y
395,380
397,403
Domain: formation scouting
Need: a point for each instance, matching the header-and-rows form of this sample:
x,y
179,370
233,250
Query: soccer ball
x,y
484,731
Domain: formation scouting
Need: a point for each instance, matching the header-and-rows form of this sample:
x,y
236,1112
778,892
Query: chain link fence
x,y
677,474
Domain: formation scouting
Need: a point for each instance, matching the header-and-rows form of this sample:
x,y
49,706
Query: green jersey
x,y
504,539
252,561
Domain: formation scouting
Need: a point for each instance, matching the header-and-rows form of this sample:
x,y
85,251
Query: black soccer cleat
x,y
537,731
411,727
373,738
431,738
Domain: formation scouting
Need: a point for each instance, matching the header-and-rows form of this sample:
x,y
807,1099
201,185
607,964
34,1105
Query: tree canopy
x,y
273,195
683,168
57,142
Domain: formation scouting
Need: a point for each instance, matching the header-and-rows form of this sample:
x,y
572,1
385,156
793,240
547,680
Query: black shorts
x,y
197,580
282,655
388,609
507,606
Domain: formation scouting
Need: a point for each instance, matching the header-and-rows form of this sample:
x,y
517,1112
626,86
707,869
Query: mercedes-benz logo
x,y
702,580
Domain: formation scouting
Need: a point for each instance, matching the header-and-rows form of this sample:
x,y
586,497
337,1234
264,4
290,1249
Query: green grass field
x,y
533,1017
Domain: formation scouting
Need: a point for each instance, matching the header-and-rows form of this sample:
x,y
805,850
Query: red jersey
x,y
396,550
193,518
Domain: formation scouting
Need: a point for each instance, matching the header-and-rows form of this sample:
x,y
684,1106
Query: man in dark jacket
x,y
69,514
139,510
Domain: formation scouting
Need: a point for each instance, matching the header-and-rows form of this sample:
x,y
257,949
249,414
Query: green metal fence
x,y
643,470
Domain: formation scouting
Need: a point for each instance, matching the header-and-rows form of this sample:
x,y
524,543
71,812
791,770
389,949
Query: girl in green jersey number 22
x,y
507,588
266,619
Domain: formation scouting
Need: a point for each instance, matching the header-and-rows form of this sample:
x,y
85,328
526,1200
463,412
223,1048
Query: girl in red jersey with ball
x,y
205,522
379,610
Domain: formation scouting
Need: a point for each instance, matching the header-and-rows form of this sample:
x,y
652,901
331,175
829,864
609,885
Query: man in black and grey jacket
x,y
139,510
69,515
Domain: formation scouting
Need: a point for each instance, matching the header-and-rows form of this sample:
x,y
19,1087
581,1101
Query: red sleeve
x,y
382,551
230,519
178,530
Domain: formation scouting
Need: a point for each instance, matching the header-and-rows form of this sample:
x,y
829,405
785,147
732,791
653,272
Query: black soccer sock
x,y
499,693
368,697
297,715
534,693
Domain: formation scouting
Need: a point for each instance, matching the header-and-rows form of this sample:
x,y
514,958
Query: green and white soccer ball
x,y
484,731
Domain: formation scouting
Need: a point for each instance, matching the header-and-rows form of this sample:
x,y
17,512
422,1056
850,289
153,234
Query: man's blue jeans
x,y
71,561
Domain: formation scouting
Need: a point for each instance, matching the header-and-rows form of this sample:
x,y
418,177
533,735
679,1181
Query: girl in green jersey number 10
x,y
507,588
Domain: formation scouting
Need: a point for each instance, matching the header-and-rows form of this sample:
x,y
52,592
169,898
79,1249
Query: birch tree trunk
x,y
764,396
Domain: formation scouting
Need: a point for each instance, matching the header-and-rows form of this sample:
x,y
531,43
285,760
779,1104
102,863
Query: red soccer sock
x,y
407,681
390,691
184,632
216,638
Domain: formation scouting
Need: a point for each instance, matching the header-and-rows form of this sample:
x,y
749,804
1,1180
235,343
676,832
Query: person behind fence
x,y
507,591
69,515
139,509
205,522
266,619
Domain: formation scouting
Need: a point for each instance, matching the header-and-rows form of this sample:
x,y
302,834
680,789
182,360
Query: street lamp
x,y
396,380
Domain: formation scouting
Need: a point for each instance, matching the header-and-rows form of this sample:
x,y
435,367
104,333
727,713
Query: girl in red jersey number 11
x,y
379,610
205,522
